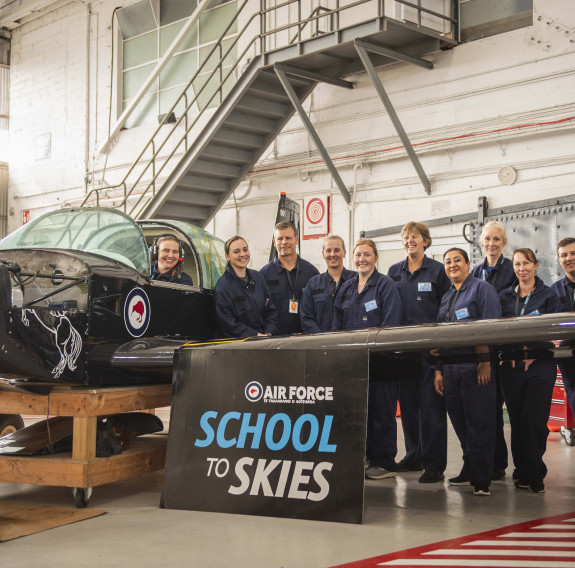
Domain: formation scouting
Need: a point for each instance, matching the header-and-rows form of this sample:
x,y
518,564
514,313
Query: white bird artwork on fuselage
x,y
68,340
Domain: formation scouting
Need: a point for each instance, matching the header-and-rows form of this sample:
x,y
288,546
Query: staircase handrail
x,y
315,12
156,150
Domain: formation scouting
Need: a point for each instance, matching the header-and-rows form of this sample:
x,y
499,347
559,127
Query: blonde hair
x,y
494,225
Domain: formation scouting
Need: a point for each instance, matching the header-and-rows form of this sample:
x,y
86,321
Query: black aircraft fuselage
x,y
65,312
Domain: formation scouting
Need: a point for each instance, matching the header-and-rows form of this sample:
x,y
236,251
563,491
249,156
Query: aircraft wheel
x,y
9,423
82,496
570,437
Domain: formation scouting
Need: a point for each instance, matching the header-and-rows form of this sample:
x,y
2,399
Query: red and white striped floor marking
x,y
542,543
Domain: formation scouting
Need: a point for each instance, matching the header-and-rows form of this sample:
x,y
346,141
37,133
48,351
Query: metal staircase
x,y
211,151
227,148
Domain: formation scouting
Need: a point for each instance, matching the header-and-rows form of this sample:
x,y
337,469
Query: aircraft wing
x,y
503,334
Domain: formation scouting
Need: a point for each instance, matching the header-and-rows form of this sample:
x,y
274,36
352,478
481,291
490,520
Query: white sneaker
x,y
481,491
379,473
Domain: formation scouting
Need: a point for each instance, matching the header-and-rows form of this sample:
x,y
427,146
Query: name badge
x,y
424,286
534,313
293,306
462,313
372,305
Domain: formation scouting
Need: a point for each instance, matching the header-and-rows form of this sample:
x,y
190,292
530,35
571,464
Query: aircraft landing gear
x,y
9,423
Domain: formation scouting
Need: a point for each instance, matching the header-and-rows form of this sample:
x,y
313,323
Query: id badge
x,y
424,286
462,313
293,306
371,305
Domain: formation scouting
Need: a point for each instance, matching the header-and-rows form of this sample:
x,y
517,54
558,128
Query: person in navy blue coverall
x,y
468,387
497,271
421,282
287,276
316,308
167,254
495,268
565,289
528,384
242,297
371,299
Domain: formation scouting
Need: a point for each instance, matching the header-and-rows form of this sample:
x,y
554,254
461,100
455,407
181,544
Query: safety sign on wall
x,y
316,217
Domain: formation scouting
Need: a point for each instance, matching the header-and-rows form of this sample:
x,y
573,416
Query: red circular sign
x,y
315,211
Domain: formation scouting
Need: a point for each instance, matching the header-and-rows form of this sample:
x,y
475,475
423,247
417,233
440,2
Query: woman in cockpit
x,y
168,256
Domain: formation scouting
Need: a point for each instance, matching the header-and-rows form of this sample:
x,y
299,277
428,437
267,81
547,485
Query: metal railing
x,y
151,159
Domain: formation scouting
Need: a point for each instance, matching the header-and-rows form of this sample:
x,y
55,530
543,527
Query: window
x,y
148,28
484,18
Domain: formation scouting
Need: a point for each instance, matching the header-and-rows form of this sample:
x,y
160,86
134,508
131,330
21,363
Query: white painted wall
x,y
486,104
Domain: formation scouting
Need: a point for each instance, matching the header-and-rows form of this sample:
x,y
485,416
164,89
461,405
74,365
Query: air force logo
x,y
137,312
254,391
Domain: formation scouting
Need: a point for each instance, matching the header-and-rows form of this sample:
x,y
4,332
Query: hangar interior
x,y
451,112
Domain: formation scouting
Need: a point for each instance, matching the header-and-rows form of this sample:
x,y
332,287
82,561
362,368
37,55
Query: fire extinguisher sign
x,y
316,218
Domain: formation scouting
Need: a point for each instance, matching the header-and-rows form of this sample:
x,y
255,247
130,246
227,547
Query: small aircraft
x,y
75,285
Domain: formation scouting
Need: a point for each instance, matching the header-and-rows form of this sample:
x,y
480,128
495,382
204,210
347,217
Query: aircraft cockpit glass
x,y
105,232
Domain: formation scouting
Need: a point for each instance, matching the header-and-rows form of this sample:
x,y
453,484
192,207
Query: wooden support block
x,y
146,454
43,470
64,401
84,438
85,405
22,403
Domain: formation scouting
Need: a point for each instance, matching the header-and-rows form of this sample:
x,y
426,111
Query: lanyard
x,y
495,271
571,296
452,304
288,274
524,304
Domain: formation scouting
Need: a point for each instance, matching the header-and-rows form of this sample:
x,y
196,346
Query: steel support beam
x,y
393,116
392,53
298,72
430,223
280,72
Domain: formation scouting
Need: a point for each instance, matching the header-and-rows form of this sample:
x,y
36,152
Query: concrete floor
x,y
400,513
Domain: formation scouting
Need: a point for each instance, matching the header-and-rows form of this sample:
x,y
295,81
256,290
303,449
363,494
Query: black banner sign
x,y
268,432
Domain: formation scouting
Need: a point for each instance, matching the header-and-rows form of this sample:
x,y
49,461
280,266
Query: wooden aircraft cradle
x,y
82,470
